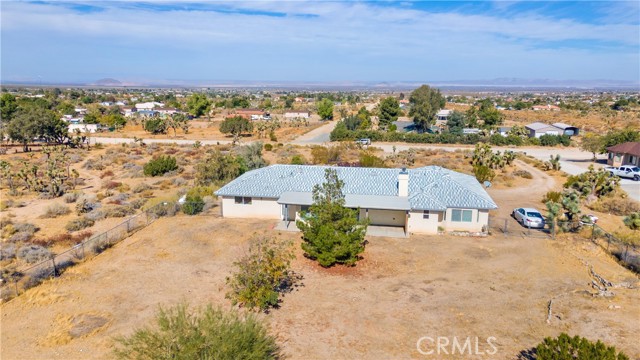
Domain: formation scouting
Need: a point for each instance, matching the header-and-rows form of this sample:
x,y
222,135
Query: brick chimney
x,y
403,183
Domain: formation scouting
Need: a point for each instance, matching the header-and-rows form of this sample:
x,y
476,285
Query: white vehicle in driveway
x,y
629,172
529,217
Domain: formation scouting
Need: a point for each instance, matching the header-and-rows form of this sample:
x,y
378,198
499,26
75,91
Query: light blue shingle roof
x,y
430,187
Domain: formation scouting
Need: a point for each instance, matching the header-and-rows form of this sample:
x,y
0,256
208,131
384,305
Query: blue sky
x,y
326,41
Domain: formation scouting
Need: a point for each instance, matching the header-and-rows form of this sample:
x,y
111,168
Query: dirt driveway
x,y
403,290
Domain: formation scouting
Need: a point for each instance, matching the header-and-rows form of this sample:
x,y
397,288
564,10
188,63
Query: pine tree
x,y
332,233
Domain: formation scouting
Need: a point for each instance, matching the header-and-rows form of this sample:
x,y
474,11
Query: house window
x,y
458,215
632,159
243,200
425,214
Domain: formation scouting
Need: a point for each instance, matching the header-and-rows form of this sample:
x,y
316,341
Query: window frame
x,y
243,200
461,215
425,214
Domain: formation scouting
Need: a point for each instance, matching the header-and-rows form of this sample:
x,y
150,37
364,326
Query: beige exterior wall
x,y
479,218
260,208
387,217
419,225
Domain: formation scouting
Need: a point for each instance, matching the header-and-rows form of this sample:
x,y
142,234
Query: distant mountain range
x,y
493,84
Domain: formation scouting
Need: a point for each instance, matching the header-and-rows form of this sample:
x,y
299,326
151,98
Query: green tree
x,y
115,121
566,347
251,156
425,103
198,104
66,108
365,118
489,115
331,233
615,137
456,122
155,126
208,333
262,275
593,184
160,166
217,169
8,107
592,143
388,111
34,122
236,126
325,109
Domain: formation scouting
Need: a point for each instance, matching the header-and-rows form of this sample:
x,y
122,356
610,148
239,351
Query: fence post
x,y
15,282
55,270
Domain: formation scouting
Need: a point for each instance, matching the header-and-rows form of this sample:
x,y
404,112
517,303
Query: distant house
x,y
538,129
252,114
81,111
504,130
443,115
84,128
470,131
148,105
106,103
545,108
166,111
624,154
567,129
147,113
423,200
297,115
128,111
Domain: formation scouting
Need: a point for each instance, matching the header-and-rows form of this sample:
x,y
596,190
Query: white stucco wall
x,y
387,217
417,224
261,208
479,218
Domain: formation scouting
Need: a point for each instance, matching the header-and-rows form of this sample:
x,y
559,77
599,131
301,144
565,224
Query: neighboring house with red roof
x,y
545,108
624,154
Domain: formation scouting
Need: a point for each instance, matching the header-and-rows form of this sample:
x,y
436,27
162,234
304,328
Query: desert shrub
x,y
56,209
110,185
268,147
33,253
64,238
553,196
179,181
7,252
160,166
616,205
20,231
20,237
71,197
523,174
95,215
85,205
193,205
118,211
79,224
208,333
262,275
483,173
209,202
105,174
201,191
93,164
219,168
566,347
298,160
370,160
137,203
166,208
141,187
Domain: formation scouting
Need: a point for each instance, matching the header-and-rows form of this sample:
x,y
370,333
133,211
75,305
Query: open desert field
x,y
404,289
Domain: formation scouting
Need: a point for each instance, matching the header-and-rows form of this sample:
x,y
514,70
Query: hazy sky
x,y
57,41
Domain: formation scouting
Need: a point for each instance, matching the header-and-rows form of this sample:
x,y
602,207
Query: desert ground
x,y
404,289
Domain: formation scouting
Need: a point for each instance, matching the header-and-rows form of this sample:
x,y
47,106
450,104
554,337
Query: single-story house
x,y
148,105
297,115
147,113
538,129
423,200
624,154
468,131
567,129
545,107
128,111
84,128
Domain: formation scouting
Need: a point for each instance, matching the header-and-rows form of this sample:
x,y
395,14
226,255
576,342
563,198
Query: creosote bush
x,y
160,166
54,210
209,333
262,274
566,347
79,224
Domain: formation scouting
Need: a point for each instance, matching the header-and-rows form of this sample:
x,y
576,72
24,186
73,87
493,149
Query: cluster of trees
x,y
160,125
485,161
598,144
425,103
236,126
218,168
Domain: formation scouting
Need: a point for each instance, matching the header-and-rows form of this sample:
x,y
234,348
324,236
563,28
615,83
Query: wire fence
x,y
18,282
625,251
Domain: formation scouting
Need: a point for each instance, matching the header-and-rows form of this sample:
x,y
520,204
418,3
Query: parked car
x,y
630,172
529,217
364,141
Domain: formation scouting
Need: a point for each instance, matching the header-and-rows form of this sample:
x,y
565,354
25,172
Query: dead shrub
x,y
79,224
111,185
523,174
33,253
141,187
118,211
105,174
616,205
54,210
71,197
64,238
